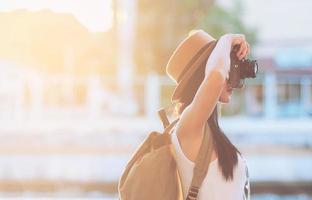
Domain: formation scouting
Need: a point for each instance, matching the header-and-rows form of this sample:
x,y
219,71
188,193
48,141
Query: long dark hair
x,y
225,150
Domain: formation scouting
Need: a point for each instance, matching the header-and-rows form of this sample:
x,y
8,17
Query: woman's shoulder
x,y
241,158
241,161
241,169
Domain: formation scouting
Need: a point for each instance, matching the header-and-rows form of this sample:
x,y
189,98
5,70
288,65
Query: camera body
x,y
241,69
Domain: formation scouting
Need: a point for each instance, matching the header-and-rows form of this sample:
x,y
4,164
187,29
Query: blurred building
x,y
284,53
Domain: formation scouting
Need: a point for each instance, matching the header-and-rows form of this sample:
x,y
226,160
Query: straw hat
x,y
189,56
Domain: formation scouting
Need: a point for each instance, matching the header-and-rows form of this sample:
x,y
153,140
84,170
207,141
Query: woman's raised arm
x,y
194,117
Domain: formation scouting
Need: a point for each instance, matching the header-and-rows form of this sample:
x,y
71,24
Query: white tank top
x,y
214,186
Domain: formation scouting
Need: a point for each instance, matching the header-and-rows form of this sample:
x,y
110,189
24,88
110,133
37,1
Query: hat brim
x,y
191,70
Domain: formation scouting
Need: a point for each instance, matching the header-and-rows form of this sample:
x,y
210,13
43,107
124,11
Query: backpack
x,y
152,174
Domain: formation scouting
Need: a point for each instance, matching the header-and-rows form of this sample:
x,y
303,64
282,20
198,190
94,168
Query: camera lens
x,y
249,68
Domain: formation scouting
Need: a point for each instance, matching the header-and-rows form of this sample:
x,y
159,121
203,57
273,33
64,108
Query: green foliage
x,y
162,25
218,21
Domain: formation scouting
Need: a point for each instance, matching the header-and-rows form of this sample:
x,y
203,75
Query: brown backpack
x,y
152,174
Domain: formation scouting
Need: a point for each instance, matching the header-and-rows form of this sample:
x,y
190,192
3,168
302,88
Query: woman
x,y
201,85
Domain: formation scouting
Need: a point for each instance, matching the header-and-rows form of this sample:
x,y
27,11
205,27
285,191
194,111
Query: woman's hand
x,y
220,57
238,39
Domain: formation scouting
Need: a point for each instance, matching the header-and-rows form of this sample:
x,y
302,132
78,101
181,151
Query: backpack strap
x,y
201,165
163,117
168,128
202,160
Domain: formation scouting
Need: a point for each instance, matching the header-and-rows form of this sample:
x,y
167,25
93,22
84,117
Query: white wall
x,y
280,23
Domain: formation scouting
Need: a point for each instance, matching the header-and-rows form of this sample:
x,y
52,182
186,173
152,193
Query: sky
x,y
96,15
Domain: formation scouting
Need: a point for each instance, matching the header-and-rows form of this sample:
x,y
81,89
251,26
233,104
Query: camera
x,y
241,69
